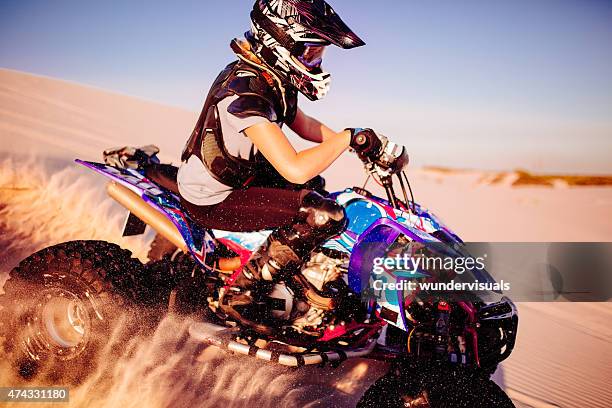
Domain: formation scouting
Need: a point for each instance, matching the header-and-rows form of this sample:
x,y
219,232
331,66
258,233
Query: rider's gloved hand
x,y
366,143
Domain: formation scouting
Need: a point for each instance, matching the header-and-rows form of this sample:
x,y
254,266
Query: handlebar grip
x,y
361,140
366,143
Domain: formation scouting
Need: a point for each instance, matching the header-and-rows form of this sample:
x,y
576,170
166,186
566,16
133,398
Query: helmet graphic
x,y
290,36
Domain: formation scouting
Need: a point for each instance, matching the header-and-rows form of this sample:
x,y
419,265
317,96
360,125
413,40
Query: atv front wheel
x,y
61,305
435,387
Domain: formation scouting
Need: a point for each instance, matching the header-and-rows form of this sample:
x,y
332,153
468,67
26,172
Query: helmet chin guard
x,y
314,84
290,35
313,88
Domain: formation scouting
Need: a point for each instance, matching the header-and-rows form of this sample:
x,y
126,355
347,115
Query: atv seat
x,y
164,175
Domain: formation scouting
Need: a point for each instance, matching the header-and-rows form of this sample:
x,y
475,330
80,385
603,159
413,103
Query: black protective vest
x,y
256,96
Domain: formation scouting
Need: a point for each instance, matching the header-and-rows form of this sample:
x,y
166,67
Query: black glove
x,y
366,143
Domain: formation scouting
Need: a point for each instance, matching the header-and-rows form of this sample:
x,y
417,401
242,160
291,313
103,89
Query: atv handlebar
x,y
393,157
392,160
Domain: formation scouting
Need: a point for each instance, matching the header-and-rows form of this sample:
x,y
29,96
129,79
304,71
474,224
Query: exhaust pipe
x,y
149,215
160,223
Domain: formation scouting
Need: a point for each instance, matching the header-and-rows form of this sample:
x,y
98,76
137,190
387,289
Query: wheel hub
x,y
60,324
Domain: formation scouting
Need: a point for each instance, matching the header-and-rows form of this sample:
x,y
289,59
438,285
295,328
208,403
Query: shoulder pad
x,y
255,95
252,105
248,82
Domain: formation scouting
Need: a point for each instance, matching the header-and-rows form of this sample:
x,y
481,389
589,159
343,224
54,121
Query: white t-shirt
x,y
195,183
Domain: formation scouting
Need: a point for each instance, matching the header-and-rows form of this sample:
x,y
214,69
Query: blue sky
x,y
483,84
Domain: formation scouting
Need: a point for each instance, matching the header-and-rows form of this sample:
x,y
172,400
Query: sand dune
x,y
563,356
525,178
59,119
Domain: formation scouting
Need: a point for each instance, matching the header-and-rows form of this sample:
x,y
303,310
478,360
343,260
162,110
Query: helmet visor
x,y
311,55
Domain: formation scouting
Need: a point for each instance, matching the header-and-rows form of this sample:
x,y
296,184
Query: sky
x,y
485,84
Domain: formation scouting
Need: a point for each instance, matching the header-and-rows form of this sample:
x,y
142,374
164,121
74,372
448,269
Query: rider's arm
x,y
310,128
296,167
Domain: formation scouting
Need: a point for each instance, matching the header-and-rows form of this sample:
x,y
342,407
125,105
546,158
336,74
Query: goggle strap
x,y
268,55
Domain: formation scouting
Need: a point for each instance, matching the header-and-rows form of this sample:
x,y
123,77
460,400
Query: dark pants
x,y
269,202
302,218
251,209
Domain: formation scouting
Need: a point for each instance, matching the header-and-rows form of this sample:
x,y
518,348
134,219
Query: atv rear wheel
x,y
62,303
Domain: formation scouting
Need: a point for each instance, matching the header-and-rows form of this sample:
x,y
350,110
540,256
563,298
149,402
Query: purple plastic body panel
x,y
384,232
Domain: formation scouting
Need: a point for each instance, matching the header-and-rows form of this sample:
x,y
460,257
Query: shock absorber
x,y
442,329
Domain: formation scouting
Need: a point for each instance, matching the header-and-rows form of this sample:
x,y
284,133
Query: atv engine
x,y
314,298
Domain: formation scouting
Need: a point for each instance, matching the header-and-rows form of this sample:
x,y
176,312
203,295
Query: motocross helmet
x,y
290,36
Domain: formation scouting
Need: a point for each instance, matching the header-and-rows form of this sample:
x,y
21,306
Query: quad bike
x,y
441,352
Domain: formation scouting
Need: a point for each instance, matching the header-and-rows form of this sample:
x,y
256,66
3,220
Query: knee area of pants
x,y
329,216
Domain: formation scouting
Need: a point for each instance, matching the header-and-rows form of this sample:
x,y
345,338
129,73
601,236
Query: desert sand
x,y
563,355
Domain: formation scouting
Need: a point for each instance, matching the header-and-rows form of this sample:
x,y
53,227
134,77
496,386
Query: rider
x,y
240,172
